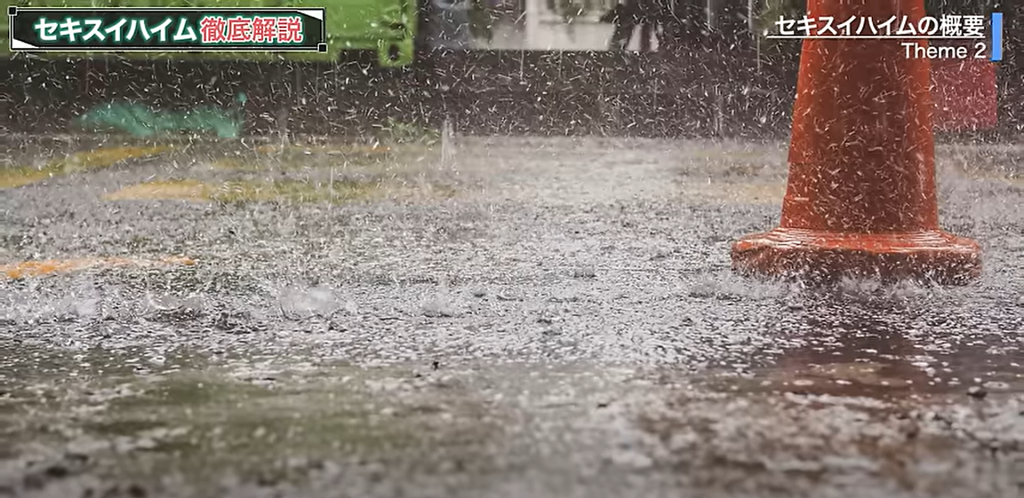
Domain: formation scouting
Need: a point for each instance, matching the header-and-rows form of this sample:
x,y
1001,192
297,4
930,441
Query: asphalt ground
x,y
483,317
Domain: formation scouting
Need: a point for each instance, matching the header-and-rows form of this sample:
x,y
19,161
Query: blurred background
x,y
656,68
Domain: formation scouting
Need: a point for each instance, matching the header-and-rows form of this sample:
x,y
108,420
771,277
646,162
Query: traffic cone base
x,y
821,256
861,198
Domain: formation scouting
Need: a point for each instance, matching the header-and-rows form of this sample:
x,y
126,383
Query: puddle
x,y
887,354
328,149
269,157
147,416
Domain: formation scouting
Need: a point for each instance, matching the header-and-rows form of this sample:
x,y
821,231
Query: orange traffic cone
x,y
861,198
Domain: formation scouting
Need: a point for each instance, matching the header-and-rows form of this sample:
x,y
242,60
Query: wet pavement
x,y
483,317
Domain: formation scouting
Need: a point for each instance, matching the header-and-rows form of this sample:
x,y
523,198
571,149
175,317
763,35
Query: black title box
x,y
125,29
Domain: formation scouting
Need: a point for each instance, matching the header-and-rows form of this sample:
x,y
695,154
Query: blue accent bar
x,y
997,36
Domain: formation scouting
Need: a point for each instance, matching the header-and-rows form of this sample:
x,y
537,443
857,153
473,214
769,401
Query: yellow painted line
x,y
171,190
109,156
48,267
103,157
18,177
247,191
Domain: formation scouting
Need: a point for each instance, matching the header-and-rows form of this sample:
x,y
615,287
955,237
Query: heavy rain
x,y
512,248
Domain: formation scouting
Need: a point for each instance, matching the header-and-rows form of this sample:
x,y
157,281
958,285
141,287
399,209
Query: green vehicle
x,y
388,27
